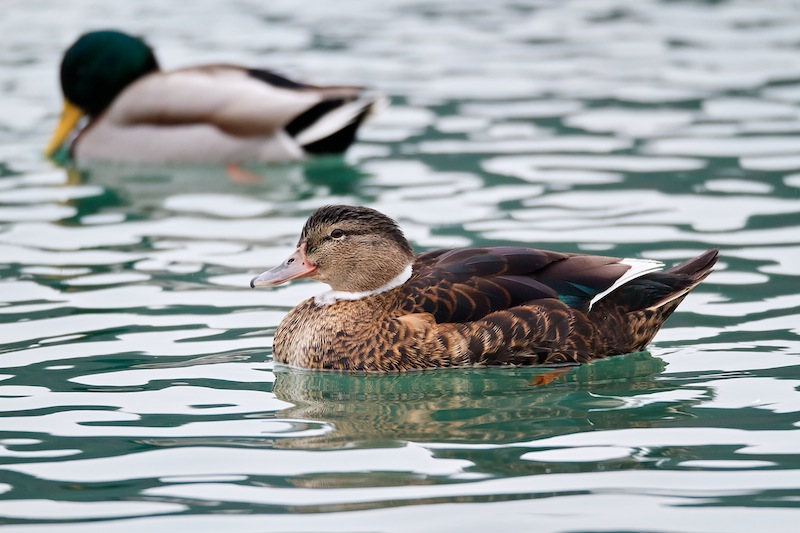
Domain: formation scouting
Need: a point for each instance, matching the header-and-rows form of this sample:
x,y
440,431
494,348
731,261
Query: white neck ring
x,y
329,297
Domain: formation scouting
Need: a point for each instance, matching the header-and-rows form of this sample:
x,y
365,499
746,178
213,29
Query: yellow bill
x,y
70,116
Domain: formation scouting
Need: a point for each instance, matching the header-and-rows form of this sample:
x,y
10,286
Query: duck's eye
x,y
337,234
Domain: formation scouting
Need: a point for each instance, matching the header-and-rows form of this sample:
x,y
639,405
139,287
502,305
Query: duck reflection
x,y
146,186
464,405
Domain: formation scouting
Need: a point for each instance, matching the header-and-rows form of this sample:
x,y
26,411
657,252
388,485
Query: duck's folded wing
x,y
238,101
467,284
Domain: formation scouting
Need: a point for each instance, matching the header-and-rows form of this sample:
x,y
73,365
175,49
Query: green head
x,y
100,65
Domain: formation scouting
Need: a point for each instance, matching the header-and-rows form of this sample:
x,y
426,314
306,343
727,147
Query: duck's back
x,y
210,114
466,284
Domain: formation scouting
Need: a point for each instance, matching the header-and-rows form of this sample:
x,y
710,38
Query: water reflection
x,y
495,406
147,186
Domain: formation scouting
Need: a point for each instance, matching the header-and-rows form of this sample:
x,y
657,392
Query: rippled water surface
x,y
138,390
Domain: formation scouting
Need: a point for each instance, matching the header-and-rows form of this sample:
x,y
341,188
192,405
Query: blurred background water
x,y
137,384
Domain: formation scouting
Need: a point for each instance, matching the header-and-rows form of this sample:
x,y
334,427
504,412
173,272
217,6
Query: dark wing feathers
x,y
582,277
645,291
425,259
656,287
525,289
468,283
497,260
332,98
277,80
310,116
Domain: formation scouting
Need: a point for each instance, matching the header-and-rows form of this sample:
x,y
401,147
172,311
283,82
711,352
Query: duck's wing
x,y
467,284
241,102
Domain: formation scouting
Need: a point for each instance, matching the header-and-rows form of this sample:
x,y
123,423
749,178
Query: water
x,y
137,384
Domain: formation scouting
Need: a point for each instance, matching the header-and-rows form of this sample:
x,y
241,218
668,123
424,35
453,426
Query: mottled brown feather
x,y
474,306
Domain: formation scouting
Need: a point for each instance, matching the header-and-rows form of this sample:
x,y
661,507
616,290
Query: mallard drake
x,y
389,310
203,114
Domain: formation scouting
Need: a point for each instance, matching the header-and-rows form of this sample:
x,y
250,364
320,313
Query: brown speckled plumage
x,y
471,306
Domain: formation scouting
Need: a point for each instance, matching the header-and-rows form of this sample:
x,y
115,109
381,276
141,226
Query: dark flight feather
x,y
469,283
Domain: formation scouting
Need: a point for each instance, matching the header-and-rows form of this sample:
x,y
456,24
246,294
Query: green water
x,y
137,389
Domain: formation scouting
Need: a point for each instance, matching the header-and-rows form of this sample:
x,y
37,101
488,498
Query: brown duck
x,y
390,310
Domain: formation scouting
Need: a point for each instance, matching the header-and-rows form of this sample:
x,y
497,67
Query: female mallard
x,y
389,310
203,114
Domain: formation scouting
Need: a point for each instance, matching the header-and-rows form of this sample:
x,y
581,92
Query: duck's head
x,y
352,249
95,69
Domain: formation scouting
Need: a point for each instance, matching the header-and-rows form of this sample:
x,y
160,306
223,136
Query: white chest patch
x,y
329,297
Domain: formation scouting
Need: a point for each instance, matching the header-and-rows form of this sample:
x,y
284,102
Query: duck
x,y
120,107
390,310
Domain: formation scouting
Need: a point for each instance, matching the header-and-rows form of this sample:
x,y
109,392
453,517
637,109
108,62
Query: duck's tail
x,y
685,277
330,127
646,302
